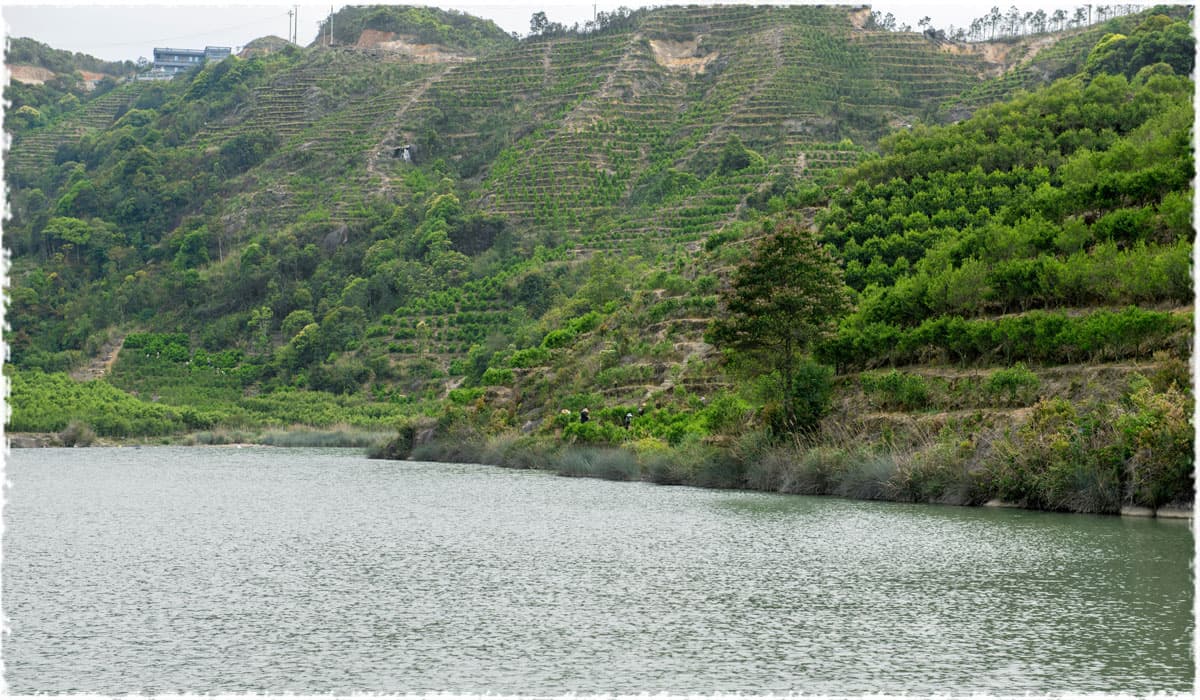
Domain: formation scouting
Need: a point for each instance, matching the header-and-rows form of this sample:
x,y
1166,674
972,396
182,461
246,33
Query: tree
x,y
73,233
193,250
735,156
994,17
785,299
886,22
538,23
1013,20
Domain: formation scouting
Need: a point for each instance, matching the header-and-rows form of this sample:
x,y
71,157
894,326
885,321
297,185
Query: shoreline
x,y
814,471
612,463
274,437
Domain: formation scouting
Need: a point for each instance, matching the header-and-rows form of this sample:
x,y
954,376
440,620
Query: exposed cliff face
x,y
684,56
30,75
37,75
409,47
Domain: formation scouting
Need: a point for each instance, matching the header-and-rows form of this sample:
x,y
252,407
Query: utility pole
x,y
296,27
290,33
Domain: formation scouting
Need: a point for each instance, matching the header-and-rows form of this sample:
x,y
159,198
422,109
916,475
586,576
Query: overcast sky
x,y
129,30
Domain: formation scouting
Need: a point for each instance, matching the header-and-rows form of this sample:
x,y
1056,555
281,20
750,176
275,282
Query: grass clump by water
x,y
518,452
221,437
340,436
612,463
77,434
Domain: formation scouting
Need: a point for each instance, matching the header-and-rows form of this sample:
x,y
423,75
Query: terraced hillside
x,y
547,223
655,134
35,150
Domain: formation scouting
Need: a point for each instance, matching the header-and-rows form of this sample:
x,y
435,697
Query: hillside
x,y
56,96
433,217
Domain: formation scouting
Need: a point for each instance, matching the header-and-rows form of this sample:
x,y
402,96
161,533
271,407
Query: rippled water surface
x,y
272,570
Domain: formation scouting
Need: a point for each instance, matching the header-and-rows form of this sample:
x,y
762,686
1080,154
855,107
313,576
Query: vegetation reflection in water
x,y
276,570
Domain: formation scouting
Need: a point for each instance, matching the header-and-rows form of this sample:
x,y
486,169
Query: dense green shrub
x,y
558,338
495,376
1096,458
529,357
464,397
1158,436
594,432
813,388
1037,336
1015,385
52,402
899,390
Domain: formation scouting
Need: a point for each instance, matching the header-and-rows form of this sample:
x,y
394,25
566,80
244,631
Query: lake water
x,y
206,570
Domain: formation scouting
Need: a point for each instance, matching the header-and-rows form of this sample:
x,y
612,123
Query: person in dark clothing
x,y
628,420
584,415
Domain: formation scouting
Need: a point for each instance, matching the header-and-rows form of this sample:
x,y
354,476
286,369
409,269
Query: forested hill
x,y
278,182
432,217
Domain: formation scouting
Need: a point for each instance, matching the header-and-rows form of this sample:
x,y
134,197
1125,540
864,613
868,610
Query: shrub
x,y
896,389
716,240
77,434
869,477
810,471
714,468
1170,371
939,473
529,357
497,377
606,463
767,469
706,284
1015,385
341,437
585,323
463,397
1061,459
559,338
813,385
594,433
1158,434
727,414
524,452
665,467
401,446
345,375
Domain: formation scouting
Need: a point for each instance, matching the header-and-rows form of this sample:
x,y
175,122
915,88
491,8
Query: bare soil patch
x,y
683,56
30,75
420,53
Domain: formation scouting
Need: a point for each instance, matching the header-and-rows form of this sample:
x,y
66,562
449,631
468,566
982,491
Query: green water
x,y
211,570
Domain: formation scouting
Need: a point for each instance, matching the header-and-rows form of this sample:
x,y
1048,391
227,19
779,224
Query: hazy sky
x,y
129,30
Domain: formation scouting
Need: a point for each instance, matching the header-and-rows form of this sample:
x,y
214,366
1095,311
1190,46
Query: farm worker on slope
x,y
584,415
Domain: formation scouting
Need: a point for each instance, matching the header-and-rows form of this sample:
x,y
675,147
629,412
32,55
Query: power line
x,y
160,40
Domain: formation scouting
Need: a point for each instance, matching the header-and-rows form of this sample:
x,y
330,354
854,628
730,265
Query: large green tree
x,y
786,298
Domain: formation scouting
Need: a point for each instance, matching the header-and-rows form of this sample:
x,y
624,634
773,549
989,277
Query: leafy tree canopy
x,y
784,300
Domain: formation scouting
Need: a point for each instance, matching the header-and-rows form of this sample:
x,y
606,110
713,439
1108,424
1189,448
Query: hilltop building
x,y
169,62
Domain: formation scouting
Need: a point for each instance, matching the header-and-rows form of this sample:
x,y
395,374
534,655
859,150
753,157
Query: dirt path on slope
x,y
386,142
101,364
